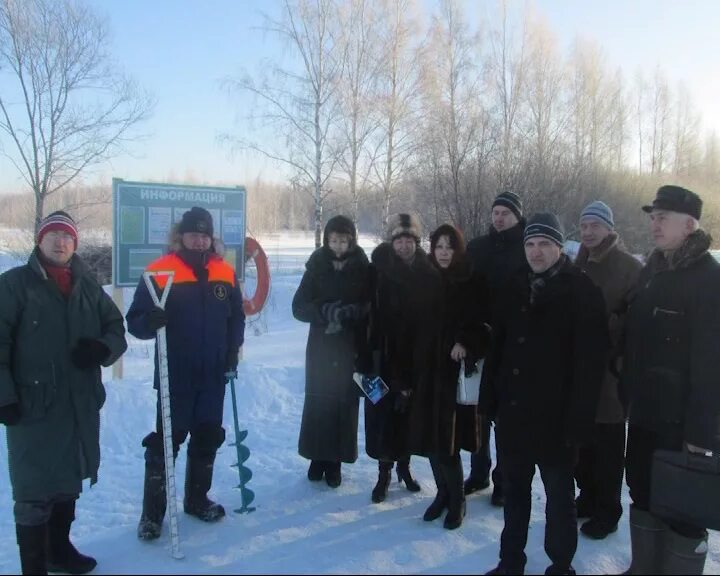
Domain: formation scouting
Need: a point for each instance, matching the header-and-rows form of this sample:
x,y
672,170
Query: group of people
x,y
572,353
57,328
568,352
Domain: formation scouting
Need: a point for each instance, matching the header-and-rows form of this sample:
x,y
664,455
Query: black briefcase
x,y
686,487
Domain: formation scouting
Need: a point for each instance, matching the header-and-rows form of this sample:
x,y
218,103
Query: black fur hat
x,y
340,225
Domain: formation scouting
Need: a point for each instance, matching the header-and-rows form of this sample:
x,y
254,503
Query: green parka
x,y
56,443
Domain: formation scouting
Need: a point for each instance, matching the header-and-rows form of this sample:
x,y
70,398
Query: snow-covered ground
x,y
298,527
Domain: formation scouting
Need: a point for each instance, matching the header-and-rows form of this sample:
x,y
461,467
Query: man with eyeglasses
x,y
57,327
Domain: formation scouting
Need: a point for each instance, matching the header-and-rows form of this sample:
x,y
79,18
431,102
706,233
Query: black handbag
x,y
686,487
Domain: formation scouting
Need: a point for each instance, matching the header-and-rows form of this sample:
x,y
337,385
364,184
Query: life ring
x,y
254,250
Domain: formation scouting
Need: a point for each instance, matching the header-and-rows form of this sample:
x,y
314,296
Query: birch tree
x,y
64,107
299,102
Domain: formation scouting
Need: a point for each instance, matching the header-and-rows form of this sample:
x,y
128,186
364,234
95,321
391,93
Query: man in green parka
x,y
57,327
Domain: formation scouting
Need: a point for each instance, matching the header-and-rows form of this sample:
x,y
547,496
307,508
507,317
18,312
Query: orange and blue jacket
x,y
205,319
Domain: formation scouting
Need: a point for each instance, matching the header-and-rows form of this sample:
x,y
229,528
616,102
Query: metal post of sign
x,y
118,298
165,411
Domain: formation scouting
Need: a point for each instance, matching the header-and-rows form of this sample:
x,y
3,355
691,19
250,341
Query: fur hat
x,y
197,220
59,221
676,199
545,225
403,225
340,225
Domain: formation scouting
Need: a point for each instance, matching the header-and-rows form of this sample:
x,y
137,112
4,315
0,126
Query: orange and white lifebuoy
x,y
254,250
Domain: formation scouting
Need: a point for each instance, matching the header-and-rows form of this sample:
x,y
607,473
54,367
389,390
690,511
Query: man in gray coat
x,y
57,327
599,471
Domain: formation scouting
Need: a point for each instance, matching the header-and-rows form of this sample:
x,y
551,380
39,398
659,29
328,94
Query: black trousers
x,y
481,462
599,472
641,446
561,519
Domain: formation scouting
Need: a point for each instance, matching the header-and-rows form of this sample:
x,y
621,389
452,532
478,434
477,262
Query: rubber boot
x,y
682,555
380,490
154,501
456,495
403,473
647,533
62,556
198,479
438,505
32,542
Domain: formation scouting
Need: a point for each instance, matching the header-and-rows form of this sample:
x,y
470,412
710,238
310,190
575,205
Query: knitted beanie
x,y
545,225
598,211
197,220
510,200
58,221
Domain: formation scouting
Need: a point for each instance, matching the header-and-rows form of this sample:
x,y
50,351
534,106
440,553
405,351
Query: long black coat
x,y
672,348
451,427
406,302
498,256
330,414
542,381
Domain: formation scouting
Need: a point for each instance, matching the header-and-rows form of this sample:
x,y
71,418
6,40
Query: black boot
x,y
380,491
456,494
198,479
438,505
498,498
316,470
403,472
154,501
475,484
62,556
333,475
32,541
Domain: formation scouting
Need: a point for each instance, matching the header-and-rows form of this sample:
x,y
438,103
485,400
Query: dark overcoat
x,y
405,313
330,412
542,381
56,443
448,426
672,346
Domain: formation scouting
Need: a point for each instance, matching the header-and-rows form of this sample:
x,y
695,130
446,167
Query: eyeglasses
x,y
56,235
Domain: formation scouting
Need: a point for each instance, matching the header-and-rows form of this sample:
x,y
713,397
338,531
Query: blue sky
x,y
181,49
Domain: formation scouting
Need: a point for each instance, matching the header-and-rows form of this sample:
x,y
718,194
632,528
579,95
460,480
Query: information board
x,y
144,213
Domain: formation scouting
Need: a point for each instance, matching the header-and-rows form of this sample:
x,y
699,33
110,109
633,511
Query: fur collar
x,y
608,245
390,264
322,259
694,248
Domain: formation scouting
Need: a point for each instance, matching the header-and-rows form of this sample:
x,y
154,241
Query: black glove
x,y
89,353
352,312
402,401
156,318
10,414
331,311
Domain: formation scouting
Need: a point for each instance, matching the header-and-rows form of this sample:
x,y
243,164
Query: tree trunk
x,y
39,208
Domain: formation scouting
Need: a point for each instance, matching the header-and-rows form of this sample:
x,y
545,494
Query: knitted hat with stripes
x,y
545,225
58,221
511,201
600,212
